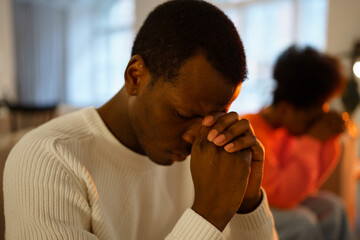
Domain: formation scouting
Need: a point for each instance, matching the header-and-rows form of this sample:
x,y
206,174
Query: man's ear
x,y
136,75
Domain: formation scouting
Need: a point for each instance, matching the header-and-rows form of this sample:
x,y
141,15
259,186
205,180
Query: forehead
x,y
200,89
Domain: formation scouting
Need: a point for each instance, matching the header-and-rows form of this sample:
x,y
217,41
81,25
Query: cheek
x,y
157,126
166,130
139,118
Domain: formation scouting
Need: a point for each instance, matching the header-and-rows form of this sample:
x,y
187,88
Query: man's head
x,y
187,61
177,30
306,79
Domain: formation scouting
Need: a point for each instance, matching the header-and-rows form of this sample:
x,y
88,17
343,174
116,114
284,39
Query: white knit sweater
x,y
72,179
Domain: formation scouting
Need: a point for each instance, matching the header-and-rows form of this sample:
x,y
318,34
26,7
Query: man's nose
x,y
192,131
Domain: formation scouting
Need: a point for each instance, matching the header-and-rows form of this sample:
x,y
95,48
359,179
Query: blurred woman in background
x,y
302,143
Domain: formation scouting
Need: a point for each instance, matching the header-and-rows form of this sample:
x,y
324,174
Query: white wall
x,y
39,34
343,27
7,59
143,8
343,31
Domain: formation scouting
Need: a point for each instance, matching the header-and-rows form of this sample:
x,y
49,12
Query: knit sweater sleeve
x,y
256,225
42,199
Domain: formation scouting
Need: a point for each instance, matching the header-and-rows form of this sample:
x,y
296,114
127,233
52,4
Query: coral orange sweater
x,y
294,166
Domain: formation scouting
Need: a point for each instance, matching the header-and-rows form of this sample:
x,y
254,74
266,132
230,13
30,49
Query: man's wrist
x,y
213,216
250,204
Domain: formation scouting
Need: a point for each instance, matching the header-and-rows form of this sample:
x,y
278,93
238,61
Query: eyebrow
x,y
189,113
192,114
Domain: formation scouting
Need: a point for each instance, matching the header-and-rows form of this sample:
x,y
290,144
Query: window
x,y
267,27
101,37
100,41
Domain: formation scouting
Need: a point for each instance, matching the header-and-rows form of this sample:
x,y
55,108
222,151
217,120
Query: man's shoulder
x,y
56,136
58,145
69,126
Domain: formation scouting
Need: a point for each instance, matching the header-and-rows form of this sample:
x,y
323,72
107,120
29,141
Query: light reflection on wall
x,y
267,28
100,41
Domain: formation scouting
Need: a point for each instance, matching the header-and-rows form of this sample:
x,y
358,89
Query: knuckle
x,y
245,122
230,133
223,123
253,139
226,121
234,115
239,142
220,125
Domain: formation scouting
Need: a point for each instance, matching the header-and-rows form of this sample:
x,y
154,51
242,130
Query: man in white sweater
x,y
122,171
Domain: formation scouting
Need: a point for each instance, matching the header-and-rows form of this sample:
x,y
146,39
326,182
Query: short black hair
x,y
179,29
306,77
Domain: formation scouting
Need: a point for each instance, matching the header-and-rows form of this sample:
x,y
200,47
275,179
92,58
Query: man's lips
x,y
181,156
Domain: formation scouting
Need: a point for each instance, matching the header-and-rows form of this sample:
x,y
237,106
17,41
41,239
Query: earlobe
x,y
134,74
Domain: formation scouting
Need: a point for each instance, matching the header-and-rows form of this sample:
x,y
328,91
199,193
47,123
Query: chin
x,y
168,163
162,161
166,158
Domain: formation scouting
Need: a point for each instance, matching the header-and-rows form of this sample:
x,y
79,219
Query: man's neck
x,y
115,114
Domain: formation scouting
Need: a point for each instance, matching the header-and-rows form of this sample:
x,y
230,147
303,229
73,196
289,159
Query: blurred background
x,y
74,52
59,55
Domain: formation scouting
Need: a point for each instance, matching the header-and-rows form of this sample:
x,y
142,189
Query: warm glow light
x,y
326,107
352,130
356,68
345,116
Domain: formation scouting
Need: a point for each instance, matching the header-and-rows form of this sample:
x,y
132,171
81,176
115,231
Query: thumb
x,y
202,137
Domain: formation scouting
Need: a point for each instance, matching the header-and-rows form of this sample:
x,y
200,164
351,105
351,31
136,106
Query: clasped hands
x,y
226,167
